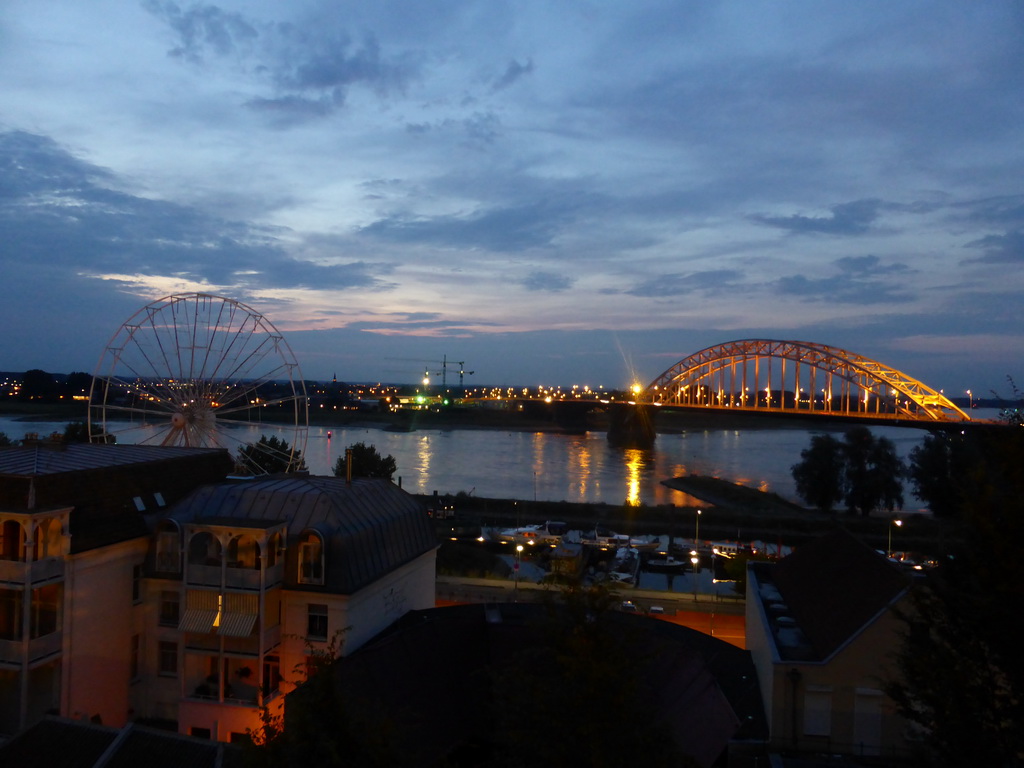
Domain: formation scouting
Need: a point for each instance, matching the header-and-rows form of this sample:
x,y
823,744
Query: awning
x,y
201,610
239,615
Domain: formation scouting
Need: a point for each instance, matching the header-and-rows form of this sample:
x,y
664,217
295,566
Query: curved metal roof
x,y
371,526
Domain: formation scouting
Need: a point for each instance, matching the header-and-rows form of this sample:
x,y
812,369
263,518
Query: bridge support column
x,y
631,426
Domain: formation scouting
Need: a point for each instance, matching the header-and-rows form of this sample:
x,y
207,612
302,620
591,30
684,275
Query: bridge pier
x,y
631,425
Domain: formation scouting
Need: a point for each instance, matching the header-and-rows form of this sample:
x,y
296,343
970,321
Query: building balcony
x,y
205,575
19,572
12,652
235,576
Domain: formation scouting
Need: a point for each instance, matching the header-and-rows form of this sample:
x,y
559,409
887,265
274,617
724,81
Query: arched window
x,y
168,547
47,540
311,558
244,552
204,549
12,541
275,547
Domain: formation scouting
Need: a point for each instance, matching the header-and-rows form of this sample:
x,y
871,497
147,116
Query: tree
x,y
320,727
5,441
863,471
578,696
934,469
961,673
268,456
820,475
366,462
38,385
78,431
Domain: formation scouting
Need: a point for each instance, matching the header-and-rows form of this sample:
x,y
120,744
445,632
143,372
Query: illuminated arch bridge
x,y
767,375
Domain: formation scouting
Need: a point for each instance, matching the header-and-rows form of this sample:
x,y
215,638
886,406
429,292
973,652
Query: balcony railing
x,y
19,572
44,646
12,651
207,575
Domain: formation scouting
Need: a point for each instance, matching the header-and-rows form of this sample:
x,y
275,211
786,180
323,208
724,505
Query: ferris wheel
x,y
201,371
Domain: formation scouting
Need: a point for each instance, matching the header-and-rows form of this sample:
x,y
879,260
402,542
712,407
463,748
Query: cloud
x,y
60,214
540,280
854,218
307,69
513,72
860,280
710,283
501,229
999,249
204,29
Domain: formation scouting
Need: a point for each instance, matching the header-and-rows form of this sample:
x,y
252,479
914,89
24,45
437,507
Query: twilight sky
x,y
558,193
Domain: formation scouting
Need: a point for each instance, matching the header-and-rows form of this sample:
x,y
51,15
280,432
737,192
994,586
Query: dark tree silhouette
x,y
961,673
268,456
819,476
320,726
866,469
78,431
935,470
38,385
366,462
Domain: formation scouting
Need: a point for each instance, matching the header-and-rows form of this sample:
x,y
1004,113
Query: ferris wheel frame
x,y
204,371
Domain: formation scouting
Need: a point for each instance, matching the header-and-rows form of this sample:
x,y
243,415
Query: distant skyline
x,y
579,193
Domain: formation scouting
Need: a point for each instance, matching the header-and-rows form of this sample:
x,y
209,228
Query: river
x,y
550,466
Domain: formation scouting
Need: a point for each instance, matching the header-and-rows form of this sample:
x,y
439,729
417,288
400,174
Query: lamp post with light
x,y
696,530
515,590
897,523
694,560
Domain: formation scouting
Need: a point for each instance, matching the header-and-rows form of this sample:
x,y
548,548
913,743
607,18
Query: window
x,y
199,733
10,614
311,560
46,610
168,659
133,668
271,674
170,608
818,711
168,559
136,583
316,623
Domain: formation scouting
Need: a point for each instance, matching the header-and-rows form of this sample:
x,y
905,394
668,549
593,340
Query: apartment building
x,y
141,583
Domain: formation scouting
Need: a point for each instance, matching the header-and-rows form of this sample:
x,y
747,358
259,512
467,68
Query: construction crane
x,y
443,373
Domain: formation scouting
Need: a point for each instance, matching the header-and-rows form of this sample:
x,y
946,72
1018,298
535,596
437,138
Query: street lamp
x,y
897,523
696,530
970,398
694,560
519,553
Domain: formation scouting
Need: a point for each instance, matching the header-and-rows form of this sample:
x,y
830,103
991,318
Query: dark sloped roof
x,y
56,742
104,484
50,459
834,586
430,675
370,526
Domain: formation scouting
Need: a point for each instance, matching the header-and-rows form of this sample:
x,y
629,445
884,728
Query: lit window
x,y
311,560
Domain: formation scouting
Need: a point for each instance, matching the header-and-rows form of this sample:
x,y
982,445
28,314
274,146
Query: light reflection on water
x,y
559,467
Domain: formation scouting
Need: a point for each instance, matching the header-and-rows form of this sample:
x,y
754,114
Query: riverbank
x,y
732,513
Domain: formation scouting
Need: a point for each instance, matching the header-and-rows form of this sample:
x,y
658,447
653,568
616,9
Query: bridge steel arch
x,y
765,374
